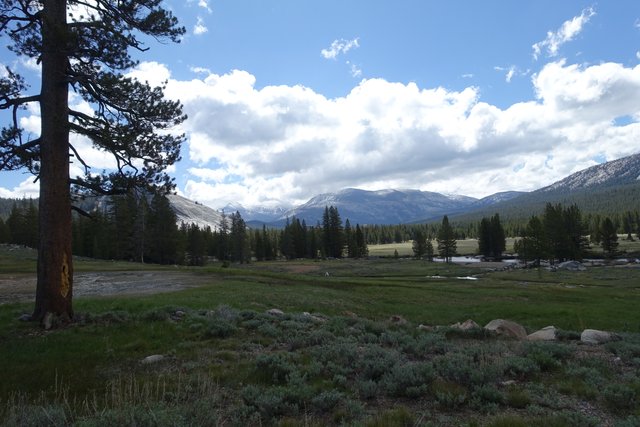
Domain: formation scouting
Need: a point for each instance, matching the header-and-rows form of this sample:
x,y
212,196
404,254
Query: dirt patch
x,y
22,287
301,269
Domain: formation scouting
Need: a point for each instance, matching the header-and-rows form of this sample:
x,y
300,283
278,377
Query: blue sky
x,y
287,99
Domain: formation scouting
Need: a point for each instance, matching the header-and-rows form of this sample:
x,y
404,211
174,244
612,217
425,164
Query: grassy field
x,y
358,358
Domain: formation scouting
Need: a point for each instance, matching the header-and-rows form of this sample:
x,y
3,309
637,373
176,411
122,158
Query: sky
x,y
288,99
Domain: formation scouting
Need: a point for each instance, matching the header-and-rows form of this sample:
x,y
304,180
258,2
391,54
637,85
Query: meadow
x,y
346,348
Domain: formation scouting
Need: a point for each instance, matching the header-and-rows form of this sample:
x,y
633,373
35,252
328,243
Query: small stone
x,y
47,321
466,325
275,312
547,333
154,358
426,328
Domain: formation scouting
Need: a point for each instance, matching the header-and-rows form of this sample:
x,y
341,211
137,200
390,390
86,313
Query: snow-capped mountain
x,y
617,172
191,212
497,198
381,207
260,213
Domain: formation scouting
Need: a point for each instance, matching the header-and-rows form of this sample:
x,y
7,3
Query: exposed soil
x,y
22,287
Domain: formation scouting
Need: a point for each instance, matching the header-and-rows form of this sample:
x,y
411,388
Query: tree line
x,y
562,233
144,228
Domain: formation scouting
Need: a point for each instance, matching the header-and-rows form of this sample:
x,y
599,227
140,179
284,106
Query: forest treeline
x,y
144,229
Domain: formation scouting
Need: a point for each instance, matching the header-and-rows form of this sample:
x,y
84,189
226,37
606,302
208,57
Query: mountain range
x,y
603,188
607,188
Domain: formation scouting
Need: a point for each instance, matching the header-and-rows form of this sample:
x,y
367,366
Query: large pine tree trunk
x,y
55,269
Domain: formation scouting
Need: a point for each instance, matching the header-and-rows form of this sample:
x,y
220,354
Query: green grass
x,y
228,360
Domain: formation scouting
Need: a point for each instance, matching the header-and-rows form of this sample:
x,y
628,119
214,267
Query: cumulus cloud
x,y
29,188
567,32
287,143
283,144
200,28
338,47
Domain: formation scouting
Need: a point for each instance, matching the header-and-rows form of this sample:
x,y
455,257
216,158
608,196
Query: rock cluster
x,y
511,329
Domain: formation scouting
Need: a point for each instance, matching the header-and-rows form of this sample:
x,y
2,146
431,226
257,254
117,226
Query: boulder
x,y
396,319
571,266
154,358
547,333
314,317
507,328
466,325
593,336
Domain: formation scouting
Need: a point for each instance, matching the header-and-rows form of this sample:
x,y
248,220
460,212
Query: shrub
x,y
619,397
520,367
449,394
432,343
508,421
273,368
517,398
219,329
409,379
376,361
397,417
269,402
488,394
367,389
327,400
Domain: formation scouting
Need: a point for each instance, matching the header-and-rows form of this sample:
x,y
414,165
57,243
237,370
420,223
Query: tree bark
x,y
55,268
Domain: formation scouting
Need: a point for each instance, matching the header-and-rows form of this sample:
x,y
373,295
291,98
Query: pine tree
x,y
89,56
162,231
361,243
4,232
533,245
609,238
419,245
627,224
238,239
446,240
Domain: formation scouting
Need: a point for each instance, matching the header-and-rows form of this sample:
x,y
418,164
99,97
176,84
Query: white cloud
x,y
355,70
154,73
567,32
200,28
200,70
205,5
29,188
338,47
287,143
511,72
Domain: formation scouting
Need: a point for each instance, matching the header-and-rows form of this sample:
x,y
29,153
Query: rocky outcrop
x,y
547,333
571,266
466,325
594,336
507,328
